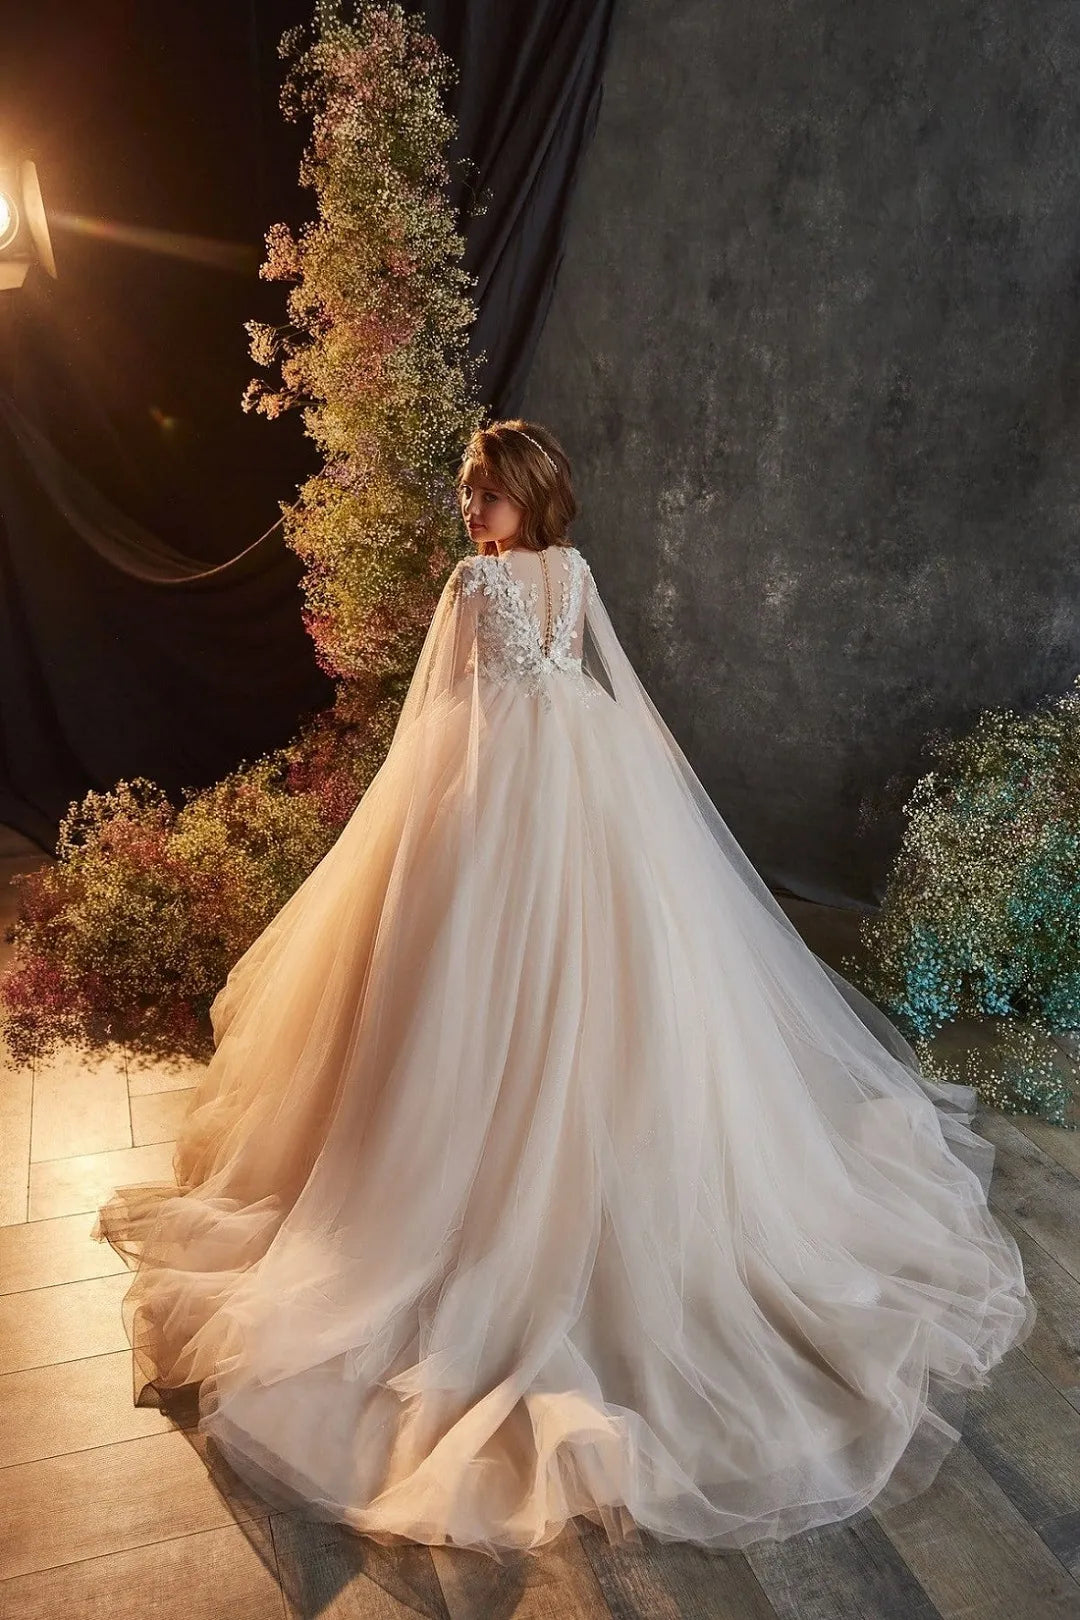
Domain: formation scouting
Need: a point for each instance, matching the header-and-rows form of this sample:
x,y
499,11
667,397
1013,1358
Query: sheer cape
x,y
542,1170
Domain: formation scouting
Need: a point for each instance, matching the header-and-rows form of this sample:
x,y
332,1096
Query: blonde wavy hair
x,y
506,454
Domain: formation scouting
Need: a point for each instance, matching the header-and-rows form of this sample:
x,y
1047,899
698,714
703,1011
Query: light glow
x,y
9,219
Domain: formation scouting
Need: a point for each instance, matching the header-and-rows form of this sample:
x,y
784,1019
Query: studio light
x,y
24,230
9,219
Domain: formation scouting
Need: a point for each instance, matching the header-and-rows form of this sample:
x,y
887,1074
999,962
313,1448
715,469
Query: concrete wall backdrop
x,y
814,354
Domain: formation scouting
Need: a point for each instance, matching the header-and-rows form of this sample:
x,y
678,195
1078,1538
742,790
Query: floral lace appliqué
x,y
508,638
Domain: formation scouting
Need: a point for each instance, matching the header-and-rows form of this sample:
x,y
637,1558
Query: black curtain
x,y
121,657
526,104
138,639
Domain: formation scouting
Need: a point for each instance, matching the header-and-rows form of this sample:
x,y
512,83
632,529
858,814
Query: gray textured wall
x,y
813,351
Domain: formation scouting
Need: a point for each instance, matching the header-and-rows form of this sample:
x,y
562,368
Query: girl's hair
x,y
505,453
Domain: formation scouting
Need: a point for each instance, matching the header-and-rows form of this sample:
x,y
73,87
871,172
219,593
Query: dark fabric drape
x,y
120,657
526,103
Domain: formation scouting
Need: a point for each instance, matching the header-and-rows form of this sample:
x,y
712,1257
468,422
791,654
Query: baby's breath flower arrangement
x,y
375,350
132,931
981,915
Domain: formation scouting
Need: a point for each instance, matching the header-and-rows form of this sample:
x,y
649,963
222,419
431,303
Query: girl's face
x,y
491,517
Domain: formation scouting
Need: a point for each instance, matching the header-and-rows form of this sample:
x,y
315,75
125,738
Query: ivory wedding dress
x,y
541,1169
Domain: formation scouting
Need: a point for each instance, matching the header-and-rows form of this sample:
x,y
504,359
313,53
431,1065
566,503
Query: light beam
x,y
207,250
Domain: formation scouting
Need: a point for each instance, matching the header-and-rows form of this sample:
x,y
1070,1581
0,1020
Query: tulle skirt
x,y
529,1178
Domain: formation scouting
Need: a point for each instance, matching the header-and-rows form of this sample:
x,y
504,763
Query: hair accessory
x,y
538,445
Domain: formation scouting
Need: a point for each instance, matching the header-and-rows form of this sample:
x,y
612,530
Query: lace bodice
x,y
509,623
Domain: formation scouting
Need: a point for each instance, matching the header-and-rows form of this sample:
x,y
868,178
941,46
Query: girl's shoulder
x,y
482,566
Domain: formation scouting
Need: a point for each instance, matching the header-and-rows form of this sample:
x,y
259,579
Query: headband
x,y
538,445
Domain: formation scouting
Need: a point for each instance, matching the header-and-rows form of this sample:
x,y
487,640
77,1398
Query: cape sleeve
x,y
444,660
840,1016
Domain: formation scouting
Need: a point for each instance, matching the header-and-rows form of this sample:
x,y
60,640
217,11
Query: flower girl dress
x,y
541,1169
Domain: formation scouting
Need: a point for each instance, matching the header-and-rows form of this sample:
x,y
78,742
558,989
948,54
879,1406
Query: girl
x,y
541,1169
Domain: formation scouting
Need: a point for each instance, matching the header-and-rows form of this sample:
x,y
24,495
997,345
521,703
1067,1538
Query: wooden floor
x,y
108,1510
